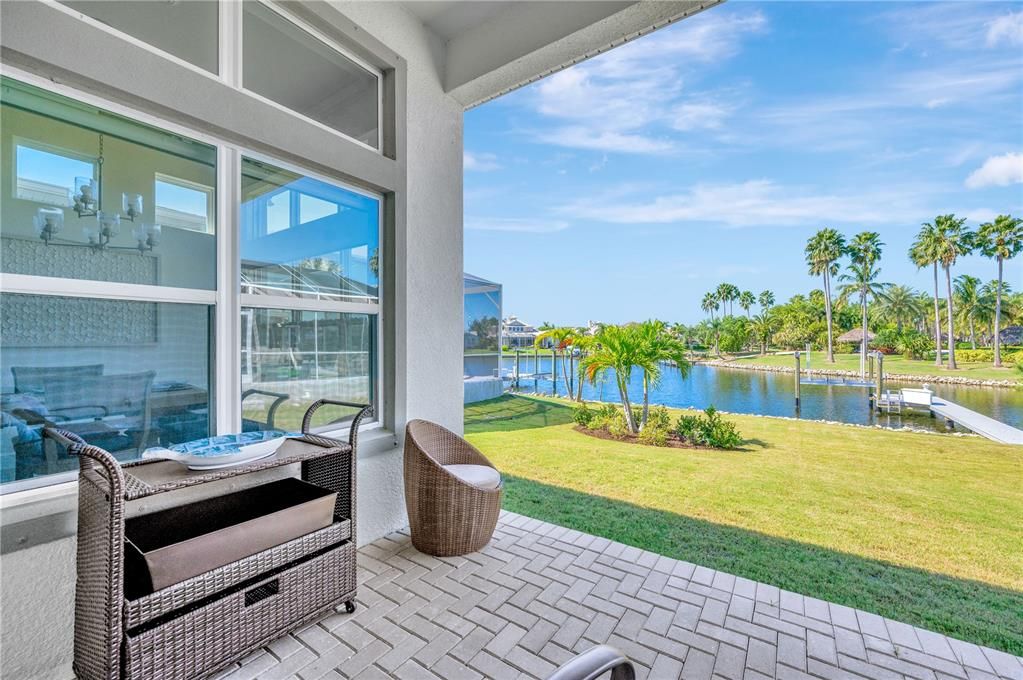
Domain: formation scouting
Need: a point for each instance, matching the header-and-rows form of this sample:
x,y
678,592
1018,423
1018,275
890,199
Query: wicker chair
x,y
448,515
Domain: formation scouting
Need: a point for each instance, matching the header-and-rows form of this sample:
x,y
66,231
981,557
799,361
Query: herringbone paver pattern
x,y
540,593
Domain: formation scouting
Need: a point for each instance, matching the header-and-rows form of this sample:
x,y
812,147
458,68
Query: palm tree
x,y
990,292
898,304
657,346
924,253
762,327
823,251
766,300
969,301
710,304
864,250
746,300
561,338
582,342
618,349
954,240
727,293
1002,240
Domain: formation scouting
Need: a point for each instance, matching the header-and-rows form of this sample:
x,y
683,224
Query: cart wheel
x,y
350,606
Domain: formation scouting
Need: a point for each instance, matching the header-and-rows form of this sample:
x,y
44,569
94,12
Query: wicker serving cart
x,y
196,627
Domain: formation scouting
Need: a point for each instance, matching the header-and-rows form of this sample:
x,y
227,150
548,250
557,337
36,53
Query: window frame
x,y
250,300
226,298
211,199
315,34
36,145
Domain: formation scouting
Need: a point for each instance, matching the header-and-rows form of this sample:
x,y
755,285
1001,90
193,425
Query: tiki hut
x,y
855,336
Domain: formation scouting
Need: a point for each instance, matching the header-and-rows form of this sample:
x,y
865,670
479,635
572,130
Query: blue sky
x,y
625,187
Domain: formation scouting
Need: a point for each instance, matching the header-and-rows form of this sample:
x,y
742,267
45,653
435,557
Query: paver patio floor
x,y
538,593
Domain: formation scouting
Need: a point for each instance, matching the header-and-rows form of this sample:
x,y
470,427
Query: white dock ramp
x,y
977,422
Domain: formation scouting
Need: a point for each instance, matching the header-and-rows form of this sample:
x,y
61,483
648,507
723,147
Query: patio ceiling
x,y
493,47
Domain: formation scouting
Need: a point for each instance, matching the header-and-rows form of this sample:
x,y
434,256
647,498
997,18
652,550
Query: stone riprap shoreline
x,y
889,377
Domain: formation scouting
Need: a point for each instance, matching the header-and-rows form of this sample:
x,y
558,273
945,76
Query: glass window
x,y
109,230
481,334
291,358
286,64
188,30
302,237
48,175
183,205
123,375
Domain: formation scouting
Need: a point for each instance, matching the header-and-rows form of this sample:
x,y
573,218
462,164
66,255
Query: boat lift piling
x,y
796,354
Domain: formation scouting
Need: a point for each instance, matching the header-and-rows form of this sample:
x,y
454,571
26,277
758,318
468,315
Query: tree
x,y
710,304
766,300
924,253
657,347
823,251
899,305
618,349
762,326
970,303
1002,240
864,251
727,294
561,339
954,240
746,300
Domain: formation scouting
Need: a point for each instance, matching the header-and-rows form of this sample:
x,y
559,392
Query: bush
x,y
654,435
583,415
708,430
975,354
657,428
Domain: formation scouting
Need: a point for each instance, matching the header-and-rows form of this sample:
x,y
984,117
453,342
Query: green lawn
x,y
921,528
892,364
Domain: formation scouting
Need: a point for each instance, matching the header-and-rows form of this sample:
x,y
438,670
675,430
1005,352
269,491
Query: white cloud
x,y
479,162
757,203
997,171
1007,28
700,116
616,102
516,224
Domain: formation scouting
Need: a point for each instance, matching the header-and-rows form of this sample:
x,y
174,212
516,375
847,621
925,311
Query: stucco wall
x,y
37,583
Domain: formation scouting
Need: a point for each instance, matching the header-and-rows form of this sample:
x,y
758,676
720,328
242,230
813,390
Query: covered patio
x,y
540,593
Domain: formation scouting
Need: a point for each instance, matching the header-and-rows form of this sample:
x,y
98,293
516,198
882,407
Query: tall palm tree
x,y
898,304
864,251
727,294
618,349
710,303
746,300
658,346
823,251
969,301
924,253
561,339
954,241
1002,240
765,300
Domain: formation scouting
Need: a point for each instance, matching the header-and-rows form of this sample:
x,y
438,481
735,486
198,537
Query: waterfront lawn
x,y
976,370
922,528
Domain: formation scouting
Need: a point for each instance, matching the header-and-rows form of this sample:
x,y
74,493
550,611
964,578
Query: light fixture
x,y
86,201
48,223
86,196
132,205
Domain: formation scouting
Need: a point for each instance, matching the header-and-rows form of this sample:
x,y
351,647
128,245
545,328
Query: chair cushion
x,y
482,476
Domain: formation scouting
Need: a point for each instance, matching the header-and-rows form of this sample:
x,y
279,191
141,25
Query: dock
x,y
976,422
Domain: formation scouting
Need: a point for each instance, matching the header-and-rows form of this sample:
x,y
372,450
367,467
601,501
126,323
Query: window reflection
x,y
302,237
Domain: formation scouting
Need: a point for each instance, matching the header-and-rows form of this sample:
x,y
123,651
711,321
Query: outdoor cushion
x,y
482,476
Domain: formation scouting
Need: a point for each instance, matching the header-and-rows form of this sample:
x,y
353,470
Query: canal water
x,y
773,394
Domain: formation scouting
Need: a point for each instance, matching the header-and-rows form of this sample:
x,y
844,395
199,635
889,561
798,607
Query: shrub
x,y
618,428
583,415
659,417
654,435
975,354
710,429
